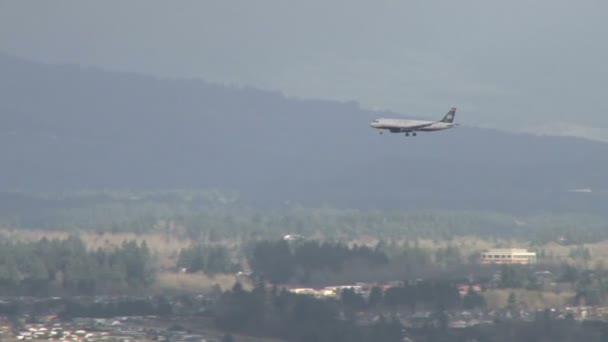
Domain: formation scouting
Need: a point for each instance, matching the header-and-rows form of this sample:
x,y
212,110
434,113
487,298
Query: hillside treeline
x,y
207,216
321,263
280,261
47,267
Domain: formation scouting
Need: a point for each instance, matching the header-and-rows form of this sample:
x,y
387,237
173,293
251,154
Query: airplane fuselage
x,y
412,126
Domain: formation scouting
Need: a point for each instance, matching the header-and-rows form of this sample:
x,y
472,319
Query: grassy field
x,y
498,298
168,282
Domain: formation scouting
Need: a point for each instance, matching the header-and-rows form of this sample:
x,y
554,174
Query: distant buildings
x,y
333,291
463,289
511,256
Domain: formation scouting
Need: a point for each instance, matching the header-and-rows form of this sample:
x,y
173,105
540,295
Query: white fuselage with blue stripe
x,y
412,126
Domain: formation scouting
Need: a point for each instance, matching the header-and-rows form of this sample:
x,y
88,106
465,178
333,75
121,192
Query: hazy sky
x,y
521,65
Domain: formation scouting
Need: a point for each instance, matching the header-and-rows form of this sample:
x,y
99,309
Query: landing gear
x,y
407,134
381,132
413,133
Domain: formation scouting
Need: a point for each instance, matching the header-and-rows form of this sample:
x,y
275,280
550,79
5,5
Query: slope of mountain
x,y
63,127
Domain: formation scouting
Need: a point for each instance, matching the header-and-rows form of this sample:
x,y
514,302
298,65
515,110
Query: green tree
x,y
375,297
512,277
511,301
472,300
273,261
351,299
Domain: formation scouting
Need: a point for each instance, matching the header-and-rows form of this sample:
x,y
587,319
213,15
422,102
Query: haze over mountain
x,y
64,127
512,65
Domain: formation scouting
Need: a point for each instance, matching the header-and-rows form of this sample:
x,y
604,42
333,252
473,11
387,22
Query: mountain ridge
x,y
68,128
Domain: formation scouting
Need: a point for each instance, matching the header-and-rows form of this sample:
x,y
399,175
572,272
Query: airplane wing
x,y
406,125
413,124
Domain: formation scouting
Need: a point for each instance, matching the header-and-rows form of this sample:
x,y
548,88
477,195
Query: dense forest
x,y
278,262
50,267
295,318
215,215
300,318
278,313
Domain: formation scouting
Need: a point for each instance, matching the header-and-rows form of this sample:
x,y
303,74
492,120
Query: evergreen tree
x,y
375,297
472,300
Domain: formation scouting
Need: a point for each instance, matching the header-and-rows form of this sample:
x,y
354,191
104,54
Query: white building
x,y
512,256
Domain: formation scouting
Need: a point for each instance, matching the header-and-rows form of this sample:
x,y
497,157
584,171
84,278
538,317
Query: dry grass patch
x,y
191,282
531,299
598,251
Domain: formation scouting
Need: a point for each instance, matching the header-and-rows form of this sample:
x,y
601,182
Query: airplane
x,y
412,126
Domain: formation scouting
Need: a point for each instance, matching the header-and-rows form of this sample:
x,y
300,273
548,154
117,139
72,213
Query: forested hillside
x,y
63,127
215,216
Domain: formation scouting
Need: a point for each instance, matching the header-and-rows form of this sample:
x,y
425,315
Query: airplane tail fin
x,y
449,117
